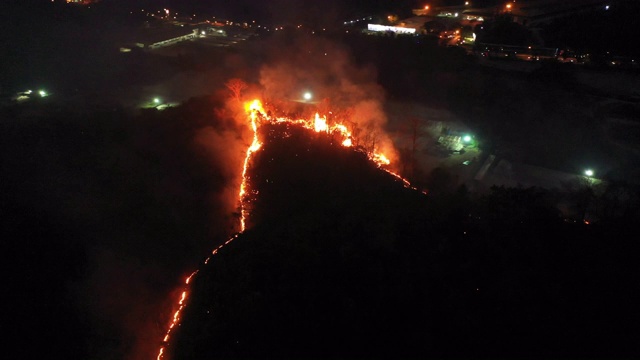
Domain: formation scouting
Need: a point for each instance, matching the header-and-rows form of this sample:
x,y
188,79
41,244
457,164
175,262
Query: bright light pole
x,y
307,96
588,177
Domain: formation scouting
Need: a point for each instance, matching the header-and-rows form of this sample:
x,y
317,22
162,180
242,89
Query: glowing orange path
x,y
252,109
257,114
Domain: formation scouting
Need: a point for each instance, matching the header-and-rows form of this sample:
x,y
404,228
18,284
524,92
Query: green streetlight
x,y
466,138
588,172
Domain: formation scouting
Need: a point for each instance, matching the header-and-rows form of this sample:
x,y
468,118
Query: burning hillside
x,y
300,176
333,137
341,260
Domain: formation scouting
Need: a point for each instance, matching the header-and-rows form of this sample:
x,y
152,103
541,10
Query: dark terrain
x,y
343,262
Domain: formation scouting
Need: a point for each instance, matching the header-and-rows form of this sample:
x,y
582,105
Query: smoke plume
x,y
341,90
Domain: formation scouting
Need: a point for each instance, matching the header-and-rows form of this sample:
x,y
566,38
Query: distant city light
x,y
42,93
588,172
307,96
396,29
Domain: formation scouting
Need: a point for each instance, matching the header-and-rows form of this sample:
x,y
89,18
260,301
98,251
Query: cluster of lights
x,y
357,20
167,14
466,3
26,94
81,2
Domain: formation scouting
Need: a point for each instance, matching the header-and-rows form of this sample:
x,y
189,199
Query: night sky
x,y
278,11
281,10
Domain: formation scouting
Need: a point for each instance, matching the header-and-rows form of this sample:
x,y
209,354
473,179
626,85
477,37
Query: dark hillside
x,y
341,261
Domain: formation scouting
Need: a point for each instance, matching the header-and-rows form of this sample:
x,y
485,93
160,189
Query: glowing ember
x,y
176,315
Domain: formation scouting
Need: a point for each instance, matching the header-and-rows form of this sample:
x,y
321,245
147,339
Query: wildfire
x,y
257,114
253,109
176,315
320,124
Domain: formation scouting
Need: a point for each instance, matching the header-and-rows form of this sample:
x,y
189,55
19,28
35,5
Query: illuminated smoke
x,y
341,89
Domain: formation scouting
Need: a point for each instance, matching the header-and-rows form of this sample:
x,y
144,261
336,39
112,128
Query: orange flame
x,y
254,108
320,124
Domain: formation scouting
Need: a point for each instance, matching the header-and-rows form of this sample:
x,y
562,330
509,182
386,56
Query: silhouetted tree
x,y
236,87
